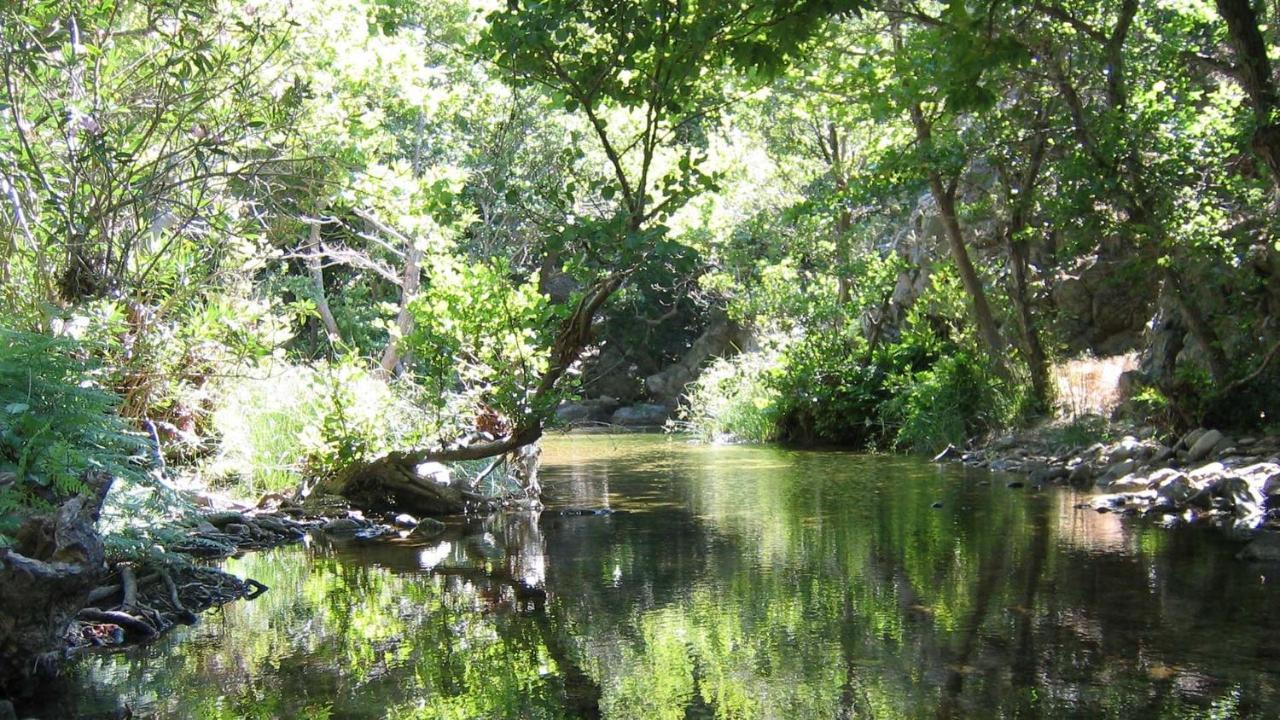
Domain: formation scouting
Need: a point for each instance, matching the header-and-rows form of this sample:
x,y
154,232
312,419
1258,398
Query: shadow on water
x,y
732,582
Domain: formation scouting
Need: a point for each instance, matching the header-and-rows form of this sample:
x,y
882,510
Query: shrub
x,y
280,426
733,399
56,423
956,398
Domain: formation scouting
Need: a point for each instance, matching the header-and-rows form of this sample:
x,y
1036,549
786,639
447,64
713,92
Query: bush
x,y
56,423
280,426
955,399
829,391
733,399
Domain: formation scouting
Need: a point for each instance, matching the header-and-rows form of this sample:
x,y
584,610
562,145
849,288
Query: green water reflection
x,y
734,583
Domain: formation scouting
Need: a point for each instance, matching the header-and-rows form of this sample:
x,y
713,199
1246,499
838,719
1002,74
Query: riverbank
x,y
145,594
1202,478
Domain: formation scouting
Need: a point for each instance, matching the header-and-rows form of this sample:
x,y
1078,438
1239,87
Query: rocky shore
x,y
141,599
1203,478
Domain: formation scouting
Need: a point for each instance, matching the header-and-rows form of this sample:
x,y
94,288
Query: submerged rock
x,y
1265,547
427,528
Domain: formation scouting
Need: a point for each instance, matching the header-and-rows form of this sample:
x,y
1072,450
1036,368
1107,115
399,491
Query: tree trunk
x,y
317,286
1254,72
404,319
1037,362
944,194
718,340
1019,209
945,197
44,581
391,481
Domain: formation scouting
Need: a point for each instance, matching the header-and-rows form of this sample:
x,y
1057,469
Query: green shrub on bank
x,y
732,399
56,424
917,395
282,425
955,399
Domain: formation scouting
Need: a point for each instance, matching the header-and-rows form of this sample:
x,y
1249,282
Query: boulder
x,y
1263,476
1208,475
427,528
342,526
1243,497
571,413
1163,476
1119,470
1204,444
640,415
1127,484
1128,448
1176,491
1265,547
1190,439
405,520
1081,474
1053,473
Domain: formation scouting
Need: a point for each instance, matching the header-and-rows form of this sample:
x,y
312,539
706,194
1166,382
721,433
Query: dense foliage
x,y
292,236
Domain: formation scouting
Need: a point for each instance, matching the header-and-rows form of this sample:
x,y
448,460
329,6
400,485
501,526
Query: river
x,y
732,582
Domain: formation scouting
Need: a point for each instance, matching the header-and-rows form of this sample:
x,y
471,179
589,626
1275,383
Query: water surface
x,y
733,582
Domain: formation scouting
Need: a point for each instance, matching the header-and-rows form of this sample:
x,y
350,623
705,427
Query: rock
x,y
1128,483
1162,453
1204,444
570,413
6,711
342,526
1160,477
236,529
1245,442
405,520
1004,443
1208,475
373,532
936,505
279,526
1081,474
1119,470
1015,485
1264,476
1190,439
1176,491
1202,499
438,473
1127,448
427,528
1244,497
1265,548
221,519
1049,474
639,415
948,453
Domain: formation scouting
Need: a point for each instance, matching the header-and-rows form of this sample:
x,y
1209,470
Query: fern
x,y
56,424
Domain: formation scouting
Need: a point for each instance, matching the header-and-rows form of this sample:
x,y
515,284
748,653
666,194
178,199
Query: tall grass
x,y
260,420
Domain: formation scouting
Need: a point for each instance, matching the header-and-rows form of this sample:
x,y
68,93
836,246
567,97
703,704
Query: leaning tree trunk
x,y
45,580
392,482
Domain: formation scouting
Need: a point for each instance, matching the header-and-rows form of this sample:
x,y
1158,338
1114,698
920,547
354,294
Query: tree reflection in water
x,y
732,583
